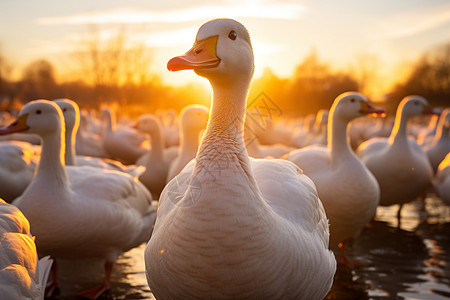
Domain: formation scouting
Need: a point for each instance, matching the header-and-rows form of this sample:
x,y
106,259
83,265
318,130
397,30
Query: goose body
x,y
252,134
347,189
18,161
22,275
89,141
229,227
79,212
400,166
121,143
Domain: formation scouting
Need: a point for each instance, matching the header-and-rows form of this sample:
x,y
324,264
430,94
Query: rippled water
x,y
410,260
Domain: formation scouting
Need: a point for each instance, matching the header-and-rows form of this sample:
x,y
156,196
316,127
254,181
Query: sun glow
x,y
266,10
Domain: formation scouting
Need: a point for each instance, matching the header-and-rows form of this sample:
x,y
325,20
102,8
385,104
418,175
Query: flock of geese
x,y
221,219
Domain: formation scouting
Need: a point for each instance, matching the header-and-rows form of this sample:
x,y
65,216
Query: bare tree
x,y
5,71
38,81
429,77
114,65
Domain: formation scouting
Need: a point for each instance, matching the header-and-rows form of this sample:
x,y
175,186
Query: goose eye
x,y
352,100
64,109
38,112
232,35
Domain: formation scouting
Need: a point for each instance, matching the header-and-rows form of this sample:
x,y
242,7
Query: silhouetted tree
x,y
6,85
314,86
429,77
38,81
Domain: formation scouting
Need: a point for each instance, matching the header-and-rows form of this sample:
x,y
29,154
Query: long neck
x,y
157,144
51,168
398,137
189,142
222,147
434,121
337,141
442,134
70,156
110,122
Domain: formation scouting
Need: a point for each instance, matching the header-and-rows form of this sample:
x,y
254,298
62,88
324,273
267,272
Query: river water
x,y
410,260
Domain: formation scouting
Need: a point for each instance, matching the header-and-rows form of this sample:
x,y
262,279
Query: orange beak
x,y
366,108
19,125
202,55
428,110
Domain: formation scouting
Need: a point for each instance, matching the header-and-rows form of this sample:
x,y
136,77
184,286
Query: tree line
x,y
116,73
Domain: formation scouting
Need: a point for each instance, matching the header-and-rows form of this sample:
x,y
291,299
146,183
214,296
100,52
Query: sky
x,y
283,32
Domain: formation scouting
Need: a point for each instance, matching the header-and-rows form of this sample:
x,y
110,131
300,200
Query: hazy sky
x,y
283,32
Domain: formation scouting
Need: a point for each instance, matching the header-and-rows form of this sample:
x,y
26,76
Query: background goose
x,y
89,141
439,147
225,214
398,163
170,129
121,142
79,212
299,139
193,120
347,189
252,133
426,135
157,160
22,275
18,161
71,113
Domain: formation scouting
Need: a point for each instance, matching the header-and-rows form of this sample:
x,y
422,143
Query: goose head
x,y
41,117
194,117
222,52
351,105
147,124
71,113
414,105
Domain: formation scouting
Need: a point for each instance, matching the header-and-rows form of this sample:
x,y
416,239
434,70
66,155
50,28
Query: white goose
x,y
318,134
347,189
79,212
398,163
426,135
438,148
299,139
229,227
71,113
121,143
18,161
252,134
89,142
157,160
22,275
193,119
